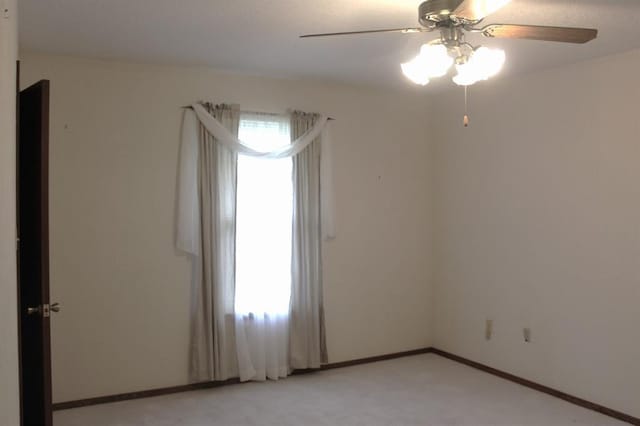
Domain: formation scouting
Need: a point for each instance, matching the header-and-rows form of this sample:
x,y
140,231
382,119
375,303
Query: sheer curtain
x,y
263,249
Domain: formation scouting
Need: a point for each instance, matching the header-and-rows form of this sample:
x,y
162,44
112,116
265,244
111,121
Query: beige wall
x,y
537,224
9,403
124,290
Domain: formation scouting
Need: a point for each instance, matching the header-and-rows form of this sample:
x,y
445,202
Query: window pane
x,y
264,215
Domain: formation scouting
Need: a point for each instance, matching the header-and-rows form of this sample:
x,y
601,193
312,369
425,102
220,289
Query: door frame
x,y
18,242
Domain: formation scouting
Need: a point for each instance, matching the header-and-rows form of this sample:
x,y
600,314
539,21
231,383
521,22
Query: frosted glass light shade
x,y
436,59
483,64
433,61
414,72
488,62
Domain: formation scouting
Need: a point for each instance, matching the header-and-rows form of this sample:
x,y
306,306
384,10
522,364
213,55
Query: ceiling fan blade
x,y
475,10
391,30
536,32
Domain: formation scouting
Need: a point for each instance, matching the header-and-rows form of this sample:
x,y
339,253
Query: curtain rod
x,y
254,112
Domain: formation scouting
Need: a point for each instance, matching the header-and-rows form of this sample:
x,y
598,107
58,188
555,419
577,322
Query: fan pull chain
x,y
465,120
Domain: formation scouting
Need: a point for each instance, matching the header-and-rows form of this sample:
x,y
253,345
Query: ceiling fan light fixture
x,y
453,19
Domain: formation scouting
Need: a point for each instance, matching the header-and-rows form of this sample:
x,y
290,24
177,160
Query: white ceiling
x,y
261,36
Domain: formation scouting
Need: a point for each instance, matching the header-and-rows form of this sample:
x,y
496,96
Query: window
x,y
263,218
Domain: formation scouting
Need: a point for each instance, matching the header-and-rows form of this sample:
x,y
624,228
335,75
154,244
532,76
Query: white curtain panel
x,y
307,342
208,172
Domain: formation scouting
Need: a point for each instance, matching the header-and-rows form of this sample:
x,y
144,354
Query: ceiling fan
x,y
453,18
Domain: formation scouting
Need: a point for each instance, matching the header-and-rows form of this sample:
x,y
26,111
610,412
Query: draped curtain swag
x,y
206,231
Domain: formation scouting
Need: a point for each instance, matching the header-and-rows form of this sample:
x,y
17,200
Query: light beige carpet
x,y
418,390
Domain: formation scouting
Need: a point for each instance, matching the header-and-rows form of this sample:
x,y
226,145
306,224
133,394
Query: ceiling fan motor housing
x,y
435,13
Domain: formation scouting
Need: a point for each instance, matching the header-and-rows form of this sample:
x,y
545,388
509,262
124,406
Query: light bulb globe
x,y
483,64
415,72
435,59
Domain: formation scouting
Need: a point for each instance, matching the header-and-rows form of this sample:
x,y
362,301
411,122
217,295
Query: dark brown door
x,y
33,255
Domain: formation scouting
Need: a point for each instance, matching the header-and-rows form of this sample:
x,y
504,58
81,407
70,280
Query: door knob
x,y
45,309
